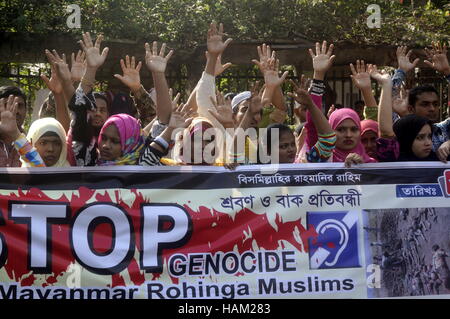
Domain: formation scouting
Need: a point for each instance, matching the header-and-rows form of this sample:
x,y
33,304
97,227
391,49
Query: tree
x,y
183,22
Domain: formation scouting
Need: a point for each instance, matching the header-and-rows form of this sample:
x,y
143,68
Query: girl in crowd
x,y
90,112
321,151
349,149
414,136
287,149
48,137
120,141
369,135
192,144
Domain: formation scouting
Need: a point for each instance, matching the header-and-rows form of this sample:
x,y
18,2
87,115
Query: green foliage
x,y
183,22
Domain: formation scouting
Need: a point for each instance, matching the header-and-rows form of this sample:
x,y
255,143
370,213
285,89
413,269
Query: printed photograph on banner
x,y
411,246
336,244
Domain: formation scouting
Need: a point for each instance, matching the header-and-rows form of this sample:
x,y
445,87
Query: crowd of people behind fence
x,y
80,127
411,261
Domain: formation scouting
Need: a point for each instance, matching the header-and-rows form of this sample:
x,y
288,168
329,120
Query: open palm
x,y
300,93
323,58
53,84
214,40
8,124
360,75
403,59
130,77
222,111
437,58
380,77
78,66
156,62
93,57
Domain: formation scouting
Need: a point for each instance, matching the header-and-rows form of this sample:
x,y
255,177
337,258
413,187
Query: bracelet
x,y
161,142
317,87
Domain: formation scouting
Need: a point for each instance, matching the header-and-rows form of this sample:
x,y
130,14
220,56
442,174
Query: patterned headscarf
x,y
131,139
336,118
43,126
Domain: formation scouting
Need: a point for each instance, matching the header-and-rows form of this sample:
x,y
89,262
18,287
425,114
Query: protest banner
x,y
299,231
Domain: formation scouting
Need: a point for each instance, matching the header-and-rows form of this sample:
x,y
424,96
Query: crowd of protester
x,y
80,127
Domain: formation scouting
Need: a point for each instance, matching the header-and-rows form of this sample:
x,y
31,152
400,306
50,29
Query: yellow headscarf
x,y
42,126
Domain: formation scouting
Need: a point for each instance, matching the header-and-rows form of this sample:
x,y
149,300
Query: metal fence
x,y
236,79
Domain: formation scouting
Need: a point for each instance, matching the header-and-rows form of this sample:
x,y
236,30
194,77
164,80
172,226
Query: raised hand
x,y
322,60
437,58
220,68
214,41
175,99
271,74
381,77
54,83
60,71
256,100
181,117
188,108
54,57
155,62
78,66
400,102
222,111
300,93
403,59
93,57
264,53
360,75
8,124
130,77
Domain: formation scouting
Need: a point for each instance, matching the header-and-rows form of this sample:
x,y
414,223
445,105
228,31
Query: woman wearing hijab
x,y
120,141
198,141
414,136
369,136
44,146
349,149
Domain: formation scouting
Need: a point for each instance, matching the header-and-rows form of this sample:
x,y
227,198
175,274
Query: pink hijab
x,y
369,125
336,118
131,139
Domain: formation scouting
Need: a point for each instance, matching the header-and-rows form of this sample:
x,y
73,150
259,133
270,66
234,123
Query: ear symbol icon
x,y
343,236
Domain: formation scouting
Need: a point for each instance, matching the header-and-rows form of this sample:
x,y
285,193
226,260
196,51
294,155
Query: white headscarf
x,y
45,125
